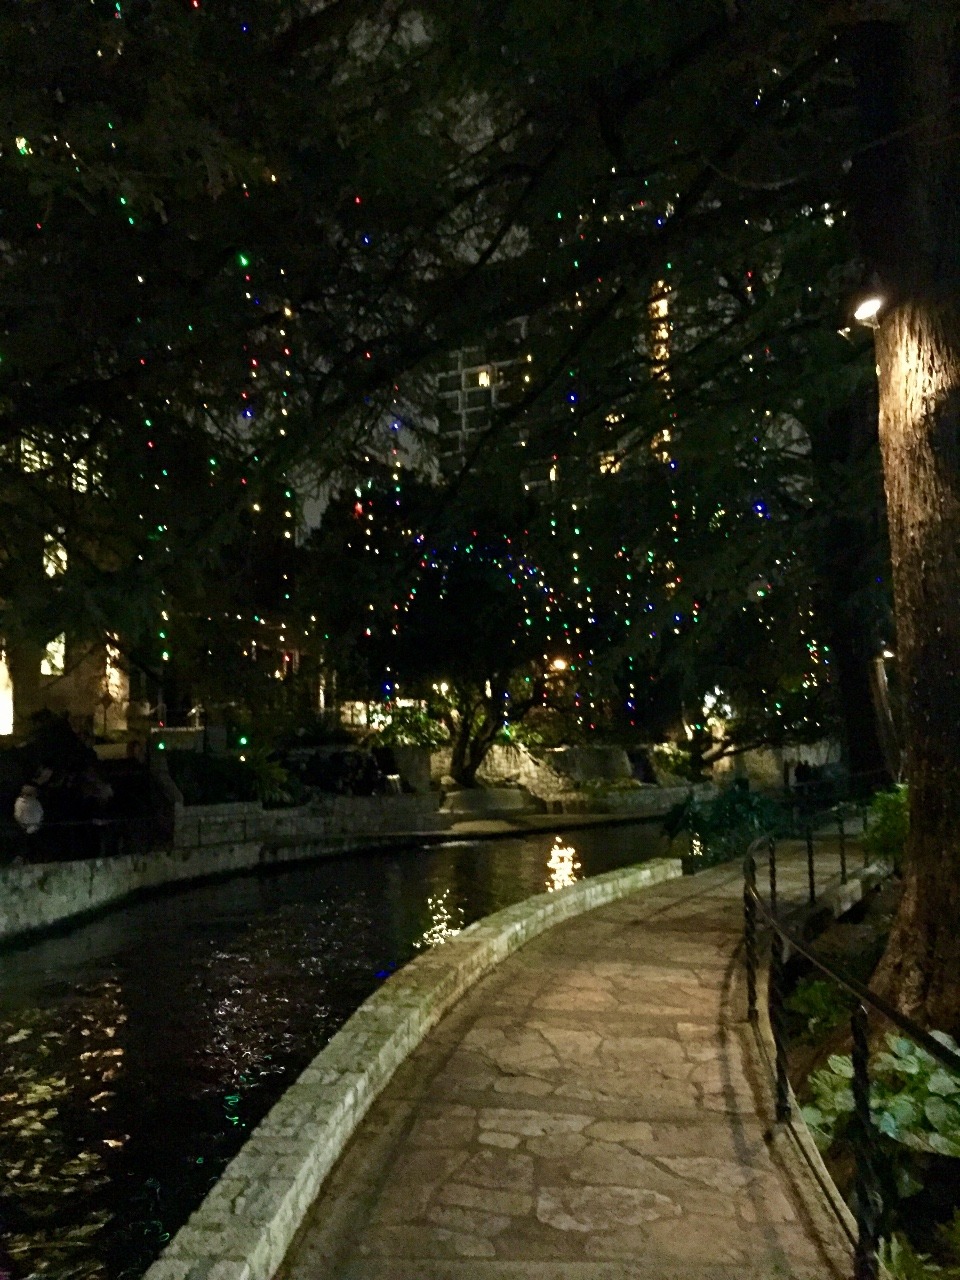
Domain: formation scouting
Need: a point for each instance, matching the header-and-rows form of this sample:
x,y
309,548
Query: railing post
x,y
750,931
841,831
778,1023
811,874
869,1202
772,869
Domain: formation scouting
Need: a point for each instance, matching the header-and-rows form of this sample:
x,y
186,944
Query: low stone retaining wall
x,y
330,818
38,895
644,801
246,1224
209,840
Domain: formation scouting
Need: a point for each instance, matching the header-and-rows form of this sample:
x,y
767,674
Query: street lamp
x,y
867,310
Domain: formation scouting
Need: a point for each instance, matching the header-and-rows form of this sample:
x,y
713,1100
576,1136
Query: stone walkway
x,y
595,1109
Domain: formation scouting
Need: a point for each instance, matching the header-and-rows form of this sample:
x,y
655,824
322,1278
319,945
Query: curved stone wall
x,y
208,840
246,1224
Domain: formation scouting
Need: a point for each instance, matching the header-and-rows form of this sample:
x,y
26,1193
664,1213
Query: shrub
x,y
322,729
913,1099
722,828
888,825
672,759
821,1004
412,727
272,784
209,779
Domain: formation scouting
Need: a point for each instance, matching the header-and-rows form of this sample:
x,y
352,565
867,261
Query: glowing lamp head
x,y
868,309
558,664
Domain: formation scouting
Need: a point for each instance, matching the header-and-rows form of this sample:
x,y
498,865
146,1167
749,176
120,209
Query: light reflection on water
x,y
445,922
563,866
138,1050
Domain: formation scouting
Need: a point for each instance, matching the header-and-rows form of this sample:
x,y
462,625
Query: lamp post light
x,y
868,309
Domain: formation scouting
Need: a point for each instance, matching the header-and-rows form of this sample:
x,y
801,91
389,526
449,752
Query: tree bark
x,y
917,253
918,349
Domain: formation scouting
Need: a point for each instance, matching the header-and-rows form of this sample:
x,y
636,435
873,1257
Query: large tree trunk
x,y
871,764
917,252
848,555
918,347
475,736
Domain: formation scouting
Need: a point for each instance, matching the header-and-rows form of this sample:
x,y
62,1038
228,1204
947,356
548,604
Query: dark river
x,y
139,1050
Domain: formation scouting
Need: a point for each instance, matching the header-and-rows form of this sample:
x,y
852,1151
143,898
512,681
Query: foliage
x,y
913,1099
901,1262
820,1003
722,828
609,786
321,729
671,758
888,825
271,783
416,726
210,779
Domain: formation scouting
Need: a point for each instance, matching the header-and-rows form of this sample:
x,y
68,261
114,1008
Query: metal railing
x,y
868,1201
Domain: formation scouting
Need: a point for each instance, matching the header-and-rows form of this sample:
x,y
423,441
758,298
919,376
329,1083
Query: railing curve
x,y
868,1201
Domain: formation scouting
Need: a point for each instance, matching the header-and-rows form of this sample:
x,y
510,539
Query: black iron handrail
x,y
867,1195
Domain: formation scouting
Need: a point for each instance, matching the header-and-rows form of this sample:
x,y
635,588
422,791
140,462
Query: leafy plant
x,y
209,779
320,729
270,782
821,1003
913,1099
670,758
721,829
413,726
888,826
901,1262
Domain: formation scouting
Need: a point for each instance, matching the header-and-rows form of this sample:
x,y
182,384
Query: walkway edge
x,y
794,1142
245,1226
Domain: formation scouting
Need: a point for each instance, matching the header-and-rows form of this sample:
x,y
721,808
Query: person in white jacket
x,y
28,811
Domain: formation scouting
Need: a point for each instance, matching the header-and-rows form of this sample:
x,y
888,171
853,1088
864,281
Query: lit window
x,y
6,697
54,556
54,658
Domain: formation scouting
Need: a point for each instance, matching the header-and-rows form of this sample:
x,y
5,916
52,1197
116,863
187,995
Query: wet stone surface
x,y
592,1110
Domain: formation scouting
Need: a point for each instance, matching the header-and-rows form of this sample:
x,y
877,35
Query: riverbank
x,y
219,841
142,1046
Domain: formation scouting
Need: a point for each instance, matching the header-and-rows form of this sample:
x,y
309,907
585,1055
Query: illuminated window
x,y
483,378
114,681
659,314
54,658
6,697
32,458
54,556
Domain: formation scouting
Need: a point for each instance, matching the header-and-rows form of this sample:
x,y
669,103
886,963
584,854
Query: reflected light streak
x,y
445,923
563,867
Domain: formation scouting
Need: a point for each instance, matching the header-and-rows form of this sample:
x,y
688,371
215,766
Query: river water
x,y
138,1051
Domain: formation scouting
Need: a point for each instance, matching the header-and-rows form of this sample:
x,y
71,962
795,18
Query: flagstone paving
x,y
595,1109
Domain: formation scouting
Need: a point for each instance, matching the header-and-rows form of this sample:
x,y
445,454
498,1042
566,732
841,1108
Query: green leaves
x,y
913,1099
888,825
